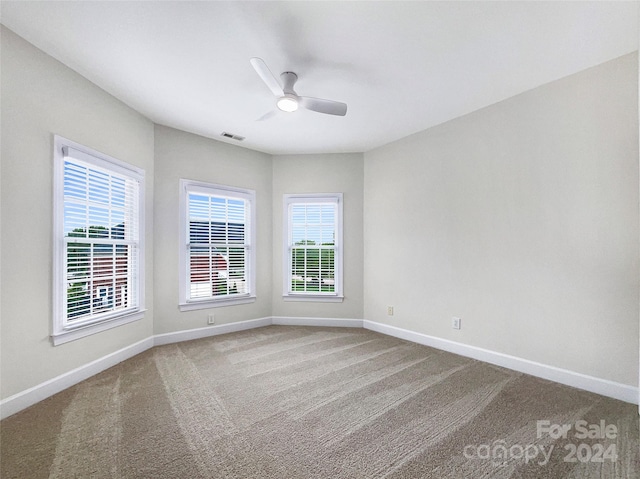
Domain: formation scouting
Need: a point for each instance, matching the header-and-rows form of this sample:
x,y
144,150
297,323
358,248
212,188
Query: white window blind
x,y
217,258
313,246
98,250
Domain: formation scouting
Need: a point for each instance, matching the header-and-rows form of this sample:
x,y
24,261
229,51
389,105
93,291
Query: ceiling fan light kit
x,y
288,103
287,99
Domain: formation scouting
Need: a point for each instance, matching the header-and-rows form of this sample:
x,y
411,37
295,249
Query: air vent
x,y
232,136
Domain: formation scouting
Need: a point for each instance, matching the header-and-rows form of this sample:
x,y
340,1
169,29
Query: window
x,y
313,247
98,250
217,234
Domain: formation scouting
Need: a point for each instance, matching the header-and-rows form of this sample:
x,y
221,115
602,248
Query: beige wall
x,y
522,219
40,98
337,173
184,155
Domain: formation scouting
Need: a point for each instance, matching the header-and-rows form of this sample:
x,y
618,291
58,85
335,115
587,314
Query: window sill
x,y
78,332
218,303
317,298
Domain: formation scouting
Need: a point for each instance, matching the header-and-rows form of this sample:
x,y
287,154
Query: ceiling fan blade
x,y
267,115
329,107
263,71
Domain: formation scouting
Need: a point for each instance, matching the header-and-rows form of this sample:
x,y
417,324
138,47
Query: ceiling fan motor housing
x,y
288,80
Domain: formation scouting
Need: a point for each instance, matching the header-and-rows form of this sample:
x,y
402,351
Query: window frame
x,y
329,297
211,189
62,331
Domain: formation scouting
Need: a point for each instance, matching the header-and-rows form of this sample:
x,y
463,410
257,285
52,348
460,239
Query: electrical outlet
x,y
456,323
389,310
211,319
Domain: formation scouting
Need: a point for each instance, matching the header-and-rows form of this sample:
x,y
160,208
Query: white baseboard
x,y
189,334
328,322
29,397
612,389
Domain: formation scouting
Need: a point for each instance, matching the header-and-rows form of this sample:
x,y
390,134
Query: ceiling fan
x,y
288,99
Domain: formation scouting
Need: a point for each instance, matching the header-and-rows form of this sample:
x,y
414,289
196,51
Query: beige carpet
x,y
294,402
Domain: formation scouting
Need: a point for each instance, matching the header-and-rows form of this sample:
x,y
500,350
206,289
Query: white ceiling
x,y
401,67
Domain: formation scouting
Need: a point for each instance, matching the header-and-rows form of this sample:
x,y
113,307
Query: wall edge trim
x,y
604,387
39,392
215,330
327,322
